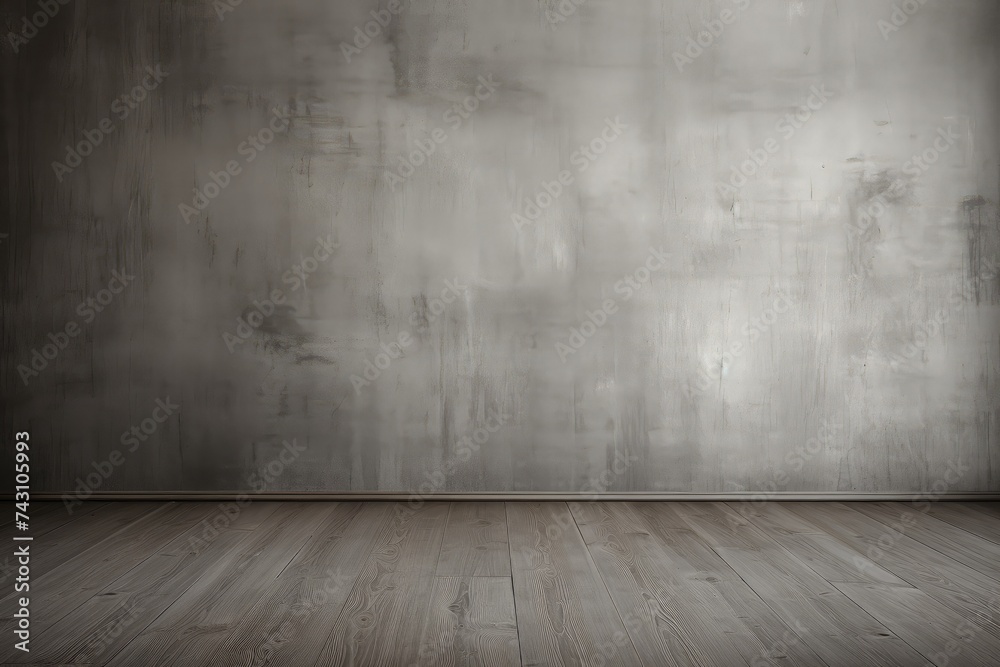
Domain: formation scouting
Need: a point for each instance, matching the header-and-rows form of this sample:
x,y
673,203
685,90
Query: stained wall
x,y
630,245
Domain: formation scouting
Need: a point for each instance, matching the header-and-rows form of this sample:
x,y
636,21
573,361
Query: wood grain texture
x,y
124,609
991,508
290,622
831,624
667,607
967,548
475,542
834,626
186,543
201,618
54,516
948,581
597,584
88,529
470,623
58,594
565,615
970,518
828,557
774,641
941,635
36,510
114,616
382,619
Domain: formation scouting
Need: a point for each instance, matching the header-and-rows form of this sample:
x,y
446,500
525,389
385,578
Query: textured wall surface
x,y
634,245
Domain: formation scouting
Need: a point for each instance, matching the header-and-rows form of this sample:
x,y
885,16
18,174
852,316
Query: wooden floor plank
x,y
36,510
470,623
967,517
834,626
963,589
941,635
124,608
382,621
291,620
112,588
991,508
43,522
198,622
245,516
669,614
980,554
475,541
565,615
61,544
58,594
830,558
49,525
774,641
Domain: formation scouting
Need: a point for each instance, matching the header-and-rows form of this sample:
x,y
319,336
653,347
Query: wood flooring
x,y
516,583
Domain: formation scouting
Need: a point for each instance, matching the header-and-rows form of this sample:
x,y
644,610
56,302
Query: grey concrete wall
x,y
654,313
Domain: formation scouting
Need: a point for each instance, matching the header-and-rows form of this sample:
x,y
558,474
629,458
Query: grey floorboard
x,y
519,584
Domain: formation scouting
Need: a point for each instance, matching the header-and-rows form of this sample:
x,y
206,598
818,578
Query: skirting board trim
x,y
787,496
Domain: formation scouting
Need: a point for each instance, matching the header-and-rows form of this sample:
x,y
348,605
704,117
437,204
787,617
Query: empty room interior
x,y
597,333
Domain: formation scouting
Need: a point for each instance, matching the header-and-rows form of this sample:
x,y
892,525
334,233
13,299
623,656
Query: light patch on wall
x,y
796,8
560,254
605,385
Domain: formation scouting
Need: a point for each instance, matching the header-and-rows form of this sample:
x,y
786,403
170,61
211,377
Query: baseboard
x,y
786,496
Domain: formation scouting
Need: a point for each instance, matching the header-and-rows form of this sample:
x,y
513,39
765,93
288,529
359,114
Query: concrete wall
x,y
782,343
